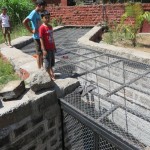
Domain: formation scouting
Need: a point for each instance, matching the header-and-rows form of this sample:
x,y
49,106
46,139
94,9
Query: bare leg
x,y
40,60
9,39
51,73
5,38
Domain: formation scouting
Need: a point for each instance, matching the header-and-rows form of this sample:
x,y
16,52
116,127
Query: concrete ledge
x,y
24,40
24,64
128,53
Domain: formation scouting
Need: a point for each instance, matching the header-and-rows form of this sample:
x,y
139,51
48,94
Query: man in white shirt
x,y
6,27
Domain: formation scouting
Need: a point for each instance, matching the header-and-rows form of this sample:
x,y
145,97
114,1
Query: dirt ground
x,y
143,43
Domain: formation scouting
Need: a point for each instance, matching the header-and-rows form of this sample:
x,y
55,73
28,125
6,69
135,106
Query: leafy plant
x,y
79,2
146,16
56,21
16,34
135,12
17,9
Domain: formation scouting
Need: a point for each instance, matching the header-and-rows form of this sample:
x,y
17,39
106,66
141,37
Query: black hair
x,y
41,2
44,13
4,8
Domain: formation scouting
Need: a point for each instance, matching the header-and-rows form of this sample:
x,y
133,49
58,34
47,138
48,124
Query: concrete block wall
x,y
33,125
93,14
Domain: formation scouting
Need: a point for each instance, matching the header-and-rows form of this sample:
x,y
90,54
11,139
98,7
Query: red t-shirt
x,y
46,33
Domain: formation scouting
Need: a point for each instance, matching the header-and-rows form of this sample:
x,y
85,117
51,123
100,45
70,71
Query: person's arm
x,y
43,47
42,41
26,24
55,48
10,24
54,43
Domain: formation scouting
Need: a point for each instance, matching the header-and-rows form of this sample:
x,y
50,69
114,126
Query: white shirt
x,y
5,20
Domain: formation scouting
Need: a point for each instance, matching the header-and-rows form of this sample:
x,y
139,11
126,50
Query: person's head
x,y
40,5
4,10
45,16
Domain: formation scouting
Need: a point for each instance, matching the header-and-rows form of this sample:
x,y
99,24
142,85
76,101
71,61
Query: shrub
x,y
17,9
134,11
56,21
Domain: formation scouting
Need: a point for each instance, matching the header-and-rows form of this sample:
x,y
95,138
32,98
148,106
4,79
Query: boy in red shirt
x,y
47,43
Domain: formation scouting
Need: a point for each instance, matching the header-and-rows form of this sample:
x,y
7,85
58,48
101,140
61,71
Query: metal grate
x,y
77,136
115,114
120,100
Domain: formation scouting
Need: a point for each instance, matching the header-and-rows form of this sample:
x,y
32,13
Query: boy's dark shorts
x,y
37,46
49,60
6,30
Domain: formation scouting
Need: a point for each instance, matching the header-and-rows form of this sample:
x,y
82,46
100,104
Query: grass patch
x,y
17,31
7,72
123,40
112,37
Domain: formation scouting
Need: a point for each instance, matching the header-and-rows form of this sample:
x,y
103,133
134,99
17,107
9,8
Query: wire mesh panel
x,y
77,136
111,107
105,145
115,96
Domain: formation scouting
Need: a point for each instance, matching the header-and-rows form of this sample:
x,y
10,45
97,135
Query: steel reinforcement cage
x,y
111,108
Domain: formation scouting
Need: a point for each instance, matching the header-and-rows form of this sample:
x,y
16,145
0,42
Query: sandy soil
x,y
143,43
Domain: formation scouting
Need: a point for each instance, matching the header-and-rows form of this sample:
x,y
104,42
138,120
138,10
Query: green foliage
x,y
109,38
56,21
79,2
15,34
135,12
17,9
146,16
6,72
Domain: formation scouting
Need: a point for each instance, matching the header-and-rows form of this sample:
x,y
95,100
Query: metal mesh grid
x,y
77,136
80,137
105,145
121,81
120,103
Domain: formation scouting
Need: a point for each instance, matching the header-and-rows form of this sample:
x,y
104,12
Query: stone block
x,y
40,80
53,142
15,115
20,130
28,138
32,147
13,90
51,122
37,120
65,86
40,105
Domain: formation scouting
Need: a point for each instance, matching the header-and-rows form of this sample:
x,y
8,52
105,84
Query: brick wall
x,y
91,15
33,125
